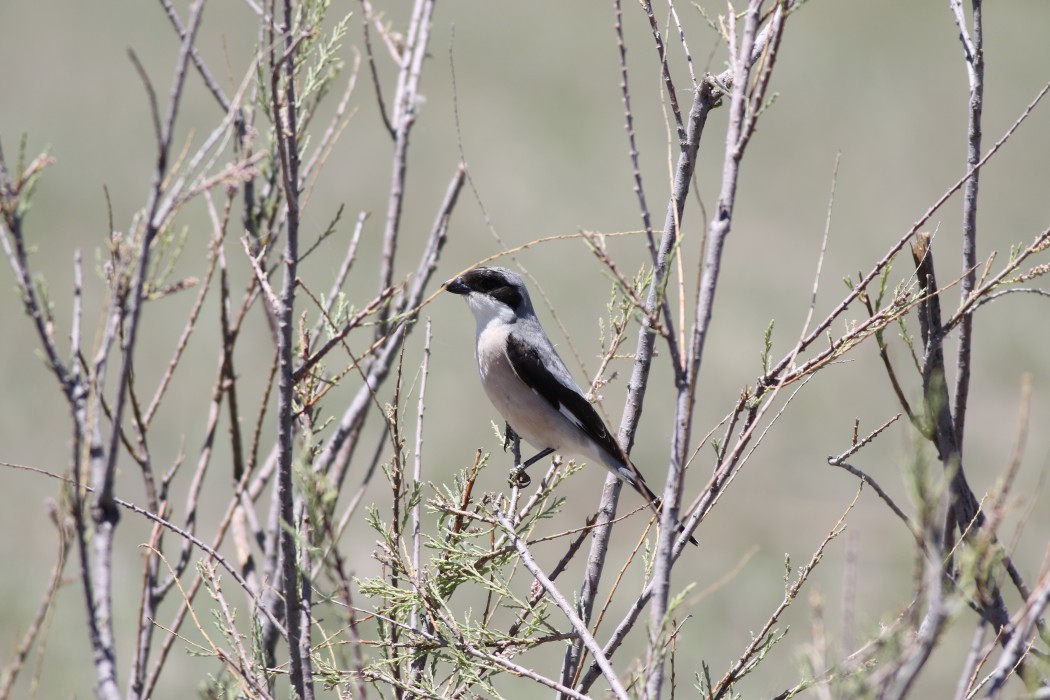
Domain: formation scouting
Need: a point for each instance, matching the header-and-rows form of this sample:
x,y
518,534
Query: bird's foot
x,y
518,478
509,437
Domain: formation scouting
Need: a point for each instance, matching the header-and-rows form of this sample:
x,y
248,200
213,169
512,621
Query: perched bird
x,y
528,383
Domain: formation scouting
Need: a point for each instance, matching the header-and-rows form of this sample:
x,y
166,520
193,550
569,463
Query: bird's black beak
x,y
457,286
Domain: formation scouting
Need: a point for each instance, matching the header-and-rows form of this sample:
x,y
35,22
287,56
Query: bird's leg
x,y
537,457
518,477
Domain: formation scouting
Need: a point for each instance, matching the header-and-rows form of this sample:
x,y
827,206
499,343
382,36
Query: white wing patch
x,y
573,418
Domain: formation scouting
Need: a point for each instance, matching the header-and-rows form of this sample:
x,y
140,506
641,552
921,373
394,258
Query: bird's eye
x,y
487,281
496,285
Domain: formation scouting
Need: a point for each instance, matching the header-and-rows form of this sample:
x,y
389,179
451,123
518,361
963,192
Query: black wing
x,y
529,366
567,400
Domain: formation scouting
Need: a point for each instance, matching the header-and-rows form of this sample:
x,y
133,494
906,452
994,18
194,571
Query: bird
x,y
529,384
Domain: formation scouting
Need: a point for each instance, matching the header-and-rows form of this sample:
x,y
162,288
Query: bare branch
x,y
973,52
406,101
578,625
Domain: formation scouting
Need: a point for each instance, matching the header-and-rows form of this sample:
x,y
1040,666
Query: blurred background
x,y
528,94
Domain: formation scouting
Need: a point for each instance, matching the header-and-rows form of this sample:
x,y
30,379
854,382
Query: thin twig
x,y
820,329
366,18
209,80
747,659
632,146
417,472
191,321
406,100
973,663
835,461
36,626
661,50
344,268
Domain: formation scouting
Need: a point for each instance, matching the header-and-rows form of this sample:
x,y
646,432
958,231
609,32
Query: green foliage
x,y
451,607
428,642
320,60
167,250
26,178
767,348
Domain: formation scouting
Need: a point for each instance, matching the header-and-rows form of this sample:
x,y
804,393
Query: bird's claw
x,y
508,437
518,478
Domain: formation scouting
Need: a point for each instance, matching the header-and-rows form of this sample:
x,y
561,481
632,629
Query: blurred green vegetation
x,y
541,126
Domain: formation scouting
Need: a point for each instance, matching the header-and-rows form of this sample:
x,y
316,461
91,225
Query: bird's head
x,y
493,293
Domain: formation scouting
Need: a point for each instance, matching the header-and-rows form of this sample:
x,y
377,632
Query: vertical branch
x,y
285,125
18,257
632,146
741,125
103,480
79,392
405,103
126,311
419,662
706,96
935,503
665,69
340,447
973,51
643,359
417,461
89,453
965,511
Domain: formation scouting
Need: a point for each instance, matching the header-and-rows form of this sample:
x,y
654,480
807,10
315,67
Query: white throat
x,y
488,312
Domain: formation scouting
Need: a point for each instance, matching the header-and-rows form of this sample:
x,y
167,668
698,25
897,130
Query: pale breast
x,y
531,416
